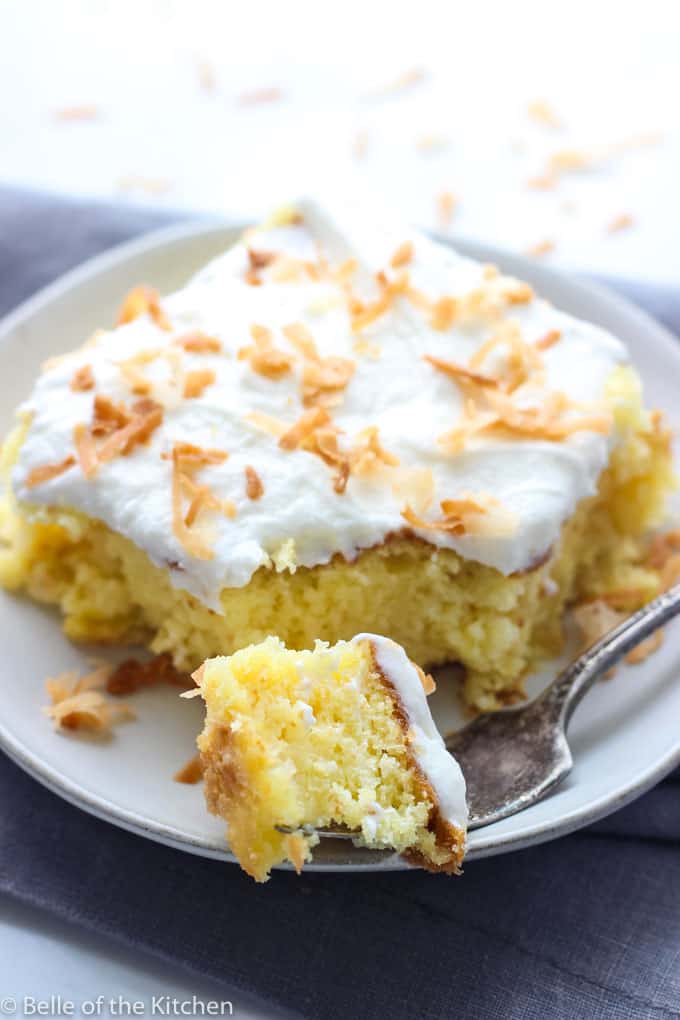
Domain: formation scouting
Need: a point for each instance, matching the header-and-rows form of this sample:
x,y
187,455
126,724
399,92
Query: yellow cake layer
x,y
313,738
439,606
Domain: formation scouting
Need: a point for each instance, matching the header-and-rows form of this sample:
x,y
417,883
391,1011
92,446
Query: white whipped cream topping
x,y
410,402
439,767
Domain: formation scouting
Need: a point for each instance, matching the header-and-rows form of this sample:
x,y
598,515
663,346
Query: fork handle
x,y
565,693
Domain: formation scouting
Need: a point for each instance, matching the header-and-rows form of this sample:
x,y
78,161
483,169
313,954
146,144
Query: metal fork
x,y
512,758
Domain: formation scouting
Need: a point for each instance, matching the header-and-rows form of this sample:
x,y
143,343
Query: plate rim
x,y
114,813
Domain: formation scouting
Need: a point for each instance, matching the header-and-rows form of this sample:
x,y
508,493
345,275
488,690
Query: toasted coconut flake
x,y
197,677
144,418
621,222
192,541
444,312
414,486
566,160
147,185
82,379
136,380
264,358
594,620
542,182
258,97
192,457
432,141
552,418
324,379
199,343
364,314
623,599
455,525
191,772
459,373
187,460
46,472
286,269
190,695
229,508
82,113
403,255
597,618
418,299
522,362
301,338
254,486
258,260
86,451
446,207
78,703
516,292
366,348
484,303
205,72
468,515
261,335
56,360
201,499
474,421
548,340
267,423
66,684
295,848
341,477
406,80
345,271
543,113
107,417
198,381
664,557
131,370
360,143
368,453
429,685
308,422
143,300
324,443
314,433
663,548
540,249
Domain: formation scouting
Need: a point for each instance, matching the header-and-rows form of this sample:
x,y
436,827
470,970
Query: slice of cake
x,y
296,741
338,425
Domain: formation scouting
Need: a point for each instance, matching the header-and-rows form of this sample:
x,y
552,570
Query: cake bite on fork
x,y
300,741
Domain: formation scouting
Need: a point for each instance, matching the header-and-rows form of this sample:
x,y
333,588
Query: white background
x,y
609,70
438,97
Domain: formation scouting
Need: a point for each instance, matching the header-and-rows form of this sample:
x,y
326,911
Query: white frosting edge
x,y
439,766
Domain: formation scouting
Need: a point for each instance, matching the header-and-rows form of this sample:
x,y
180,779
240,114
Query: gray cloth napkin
x,y
587,926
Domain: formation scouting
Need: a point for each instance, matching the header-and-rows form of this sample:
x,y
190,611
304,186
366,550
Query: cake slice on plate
x,y
338,425
296,741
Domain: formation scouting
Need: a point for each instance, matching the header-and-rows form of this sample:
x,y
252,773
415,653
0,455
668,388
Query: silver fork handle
x,y
567,690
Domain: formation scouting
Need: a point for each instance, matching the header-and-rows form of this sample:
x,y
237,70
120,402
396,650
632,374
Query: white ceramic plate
x,y
625,736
